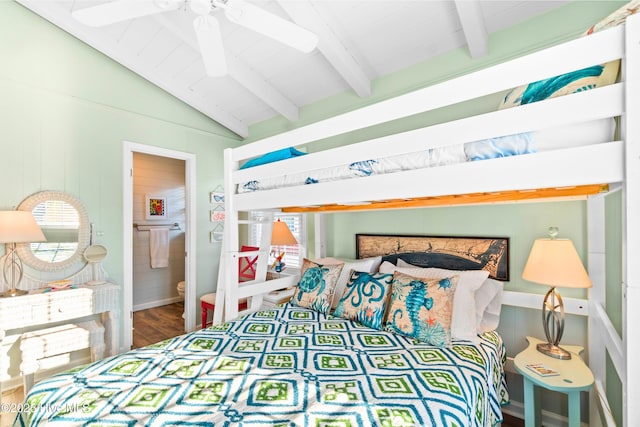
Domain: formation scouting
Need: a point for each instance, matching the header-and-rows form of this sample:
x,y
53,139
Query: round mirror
x,y
65,224
95,253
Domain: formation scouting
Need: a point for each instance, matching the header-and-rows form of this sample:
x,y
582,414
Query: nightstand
x,y
272,299
575,376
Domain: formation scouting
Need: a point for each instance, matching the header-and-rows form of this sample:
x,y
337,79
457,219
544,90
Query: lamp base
x,y
553,351
13,293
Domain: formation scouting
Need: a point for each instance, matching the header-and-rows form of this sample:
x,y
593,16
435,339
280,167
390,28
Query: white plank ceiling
x,y
359,41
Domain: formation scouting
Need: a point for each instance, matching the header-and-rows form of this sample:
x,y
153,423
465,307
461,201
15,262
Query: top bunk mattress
x,y
579,134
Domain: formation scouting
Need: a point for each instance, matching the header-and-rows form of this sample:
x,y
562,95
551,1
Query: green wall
x,y
65,110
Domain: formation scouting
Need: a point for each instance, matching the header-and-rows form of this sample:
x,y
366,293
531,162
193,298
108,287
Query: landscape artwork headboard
x,y
453,253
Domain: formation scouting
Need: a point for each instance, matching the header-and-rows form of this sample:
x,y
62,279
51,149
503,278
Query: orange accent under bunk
x,y
461,199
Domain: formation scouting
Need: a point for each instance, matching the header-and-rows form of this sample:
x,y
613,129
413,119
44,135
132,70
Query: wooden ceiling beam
x,y
304,14
473,26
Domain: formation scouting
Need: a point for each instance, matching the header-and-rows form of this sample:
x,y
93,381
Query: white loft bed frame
x,y
616,163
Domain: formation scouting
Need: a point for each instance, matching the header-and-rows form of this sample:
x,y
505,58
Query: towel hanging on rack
x,y
159,247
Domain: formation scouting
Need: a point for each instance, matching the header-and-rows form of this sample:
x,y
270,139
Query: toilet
x,y
180,288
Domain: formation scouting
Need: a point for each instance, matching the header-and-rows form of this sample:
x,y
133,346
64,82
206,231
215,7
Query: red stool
x,y
208,302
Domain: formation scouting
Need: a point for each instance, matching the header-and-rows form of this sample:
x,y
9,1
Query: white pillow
x,y
404,264
488,305
368,265
463,315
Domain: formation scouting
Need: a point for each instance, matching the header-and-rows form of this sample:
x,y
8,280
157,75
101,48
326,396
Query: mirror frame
x,y
24,249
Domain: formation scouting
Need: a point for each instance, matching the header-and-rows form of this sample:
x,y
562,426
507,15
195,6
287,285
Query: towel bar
x,y
147,227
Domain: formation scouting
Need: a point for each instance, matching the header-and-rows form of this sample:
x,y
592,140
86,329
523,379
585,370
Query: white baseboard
x,y
157,303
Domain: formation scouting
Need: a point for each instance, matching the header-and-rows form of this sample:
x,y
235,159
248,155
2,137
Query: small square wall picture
x,y
156,207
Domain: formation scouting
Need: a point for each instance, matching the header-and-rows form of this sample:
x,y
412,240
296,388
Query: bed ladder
x,y
229,289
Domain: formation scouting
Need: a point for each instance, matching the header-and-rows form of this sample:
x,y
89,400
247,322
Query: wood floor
x,y
510,421
156,324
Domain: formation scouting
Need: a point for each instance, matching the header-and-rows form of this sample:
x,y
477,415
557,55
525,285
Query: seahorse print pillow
x,y
365,298
421,308
316,286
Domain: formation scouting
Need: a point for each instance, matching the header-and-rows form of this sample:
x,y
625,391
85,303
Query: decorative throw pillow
x,y
316,287
421,308
617,17
463,316
274,156
364,264
365,298
575,81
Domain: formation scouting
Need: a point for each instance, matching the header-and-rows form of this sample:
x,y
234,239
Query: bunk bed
x,y
159,379
585,168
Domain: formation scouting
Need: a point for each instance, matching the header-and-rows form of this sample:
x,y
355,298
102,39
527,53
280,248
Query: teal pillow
x,y
365,298
274,156
564,84
316,286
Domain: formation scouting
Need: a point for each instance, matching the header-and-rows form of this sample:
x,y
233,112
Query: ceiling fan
x,y
206,26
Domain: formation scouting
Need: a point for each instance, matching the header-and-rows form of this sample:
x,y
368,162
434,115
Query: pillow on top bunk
x,y
369,265
274,156
316,286
617,17
576,81
573,82
365,298
421,308
465,311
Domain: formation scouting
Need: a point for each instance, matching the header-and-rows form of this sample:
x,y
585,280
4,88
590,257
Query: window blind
x,y
294,254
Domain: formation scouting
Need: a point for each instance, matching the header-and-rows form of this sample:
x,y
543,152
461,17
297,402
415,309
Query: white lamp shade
x,y
555,262
281,235
19,227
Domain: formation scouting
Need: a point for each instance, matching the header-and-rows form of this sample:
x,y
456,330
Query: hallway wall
x,y
159,176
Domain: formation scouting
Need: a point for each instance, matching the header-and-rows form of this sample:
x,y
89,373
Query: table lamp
x,y
281,236
555,262
16,227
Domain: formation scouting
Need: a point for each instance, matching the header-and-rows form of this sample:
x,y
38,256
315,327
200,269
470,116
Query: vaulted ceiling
x,y
358,41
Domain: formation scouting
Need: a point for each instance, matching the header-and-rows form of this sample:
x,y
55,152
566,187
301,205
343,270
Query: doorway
x,y
131,200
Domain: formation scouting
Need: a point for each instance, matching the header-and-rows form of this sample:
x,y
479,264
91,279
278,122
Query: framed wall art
x,y
156,207
454,253
217,214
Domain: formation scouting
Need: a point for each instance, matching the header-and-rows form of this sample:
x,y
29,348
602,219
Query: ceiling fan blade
x,y
122,10
209,37
270,25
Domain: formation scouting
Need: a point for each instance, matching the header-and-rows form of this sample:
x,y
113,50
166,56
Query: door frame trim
x,y
127,236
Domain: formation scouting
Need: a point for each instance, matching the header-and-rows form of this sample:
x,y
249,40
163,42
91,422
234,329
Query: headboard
x,y
452,253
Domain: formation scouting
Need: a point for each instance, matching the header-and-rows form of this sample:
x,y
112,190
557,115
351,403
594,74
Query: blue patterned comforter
x,y
281,367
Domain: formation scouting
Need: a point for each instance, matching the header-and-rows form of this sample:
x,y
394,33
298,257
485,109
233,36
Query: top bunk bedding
x,y
284,366
565,117
584,134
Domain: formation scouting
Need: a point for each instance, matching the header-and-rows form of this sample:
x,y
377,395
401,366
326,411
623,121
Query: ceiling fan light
x,y
270,25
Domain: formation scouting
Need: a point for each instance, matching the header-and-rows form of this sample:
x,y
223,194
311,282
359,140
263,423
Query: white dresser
x,y
40,308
